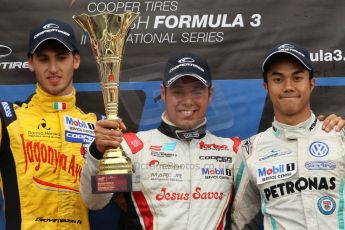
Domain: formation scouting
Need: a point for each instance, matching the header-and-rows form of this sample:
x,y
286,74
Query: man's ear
x,y
76,61
265,86
163,91
211,92
312,84
31,66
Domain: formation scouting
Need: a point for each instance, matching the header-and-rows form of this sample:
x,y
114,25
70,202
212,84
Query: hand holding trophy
x,y
108,33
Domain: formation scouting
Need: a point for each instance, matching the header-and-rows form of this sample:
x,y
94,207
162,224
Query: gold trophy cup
x,y
108,33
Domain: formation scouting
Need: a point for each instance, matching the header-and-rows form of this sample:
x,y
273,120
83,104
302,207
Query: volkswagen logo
x,y
318,149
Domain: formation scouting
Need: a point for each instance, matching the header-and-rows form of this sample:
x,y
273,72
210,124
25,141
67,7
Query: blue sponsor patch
x,y
78,137
170,146
320,165
318,149
326,205
275,172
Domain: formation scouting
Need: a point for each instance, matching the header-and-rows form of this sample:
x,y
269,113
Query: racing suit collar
x,y
49,103
168,128
292,132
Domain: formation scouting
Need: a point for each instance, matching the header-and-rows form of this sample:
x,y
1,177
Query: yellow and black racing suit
x,y
41,157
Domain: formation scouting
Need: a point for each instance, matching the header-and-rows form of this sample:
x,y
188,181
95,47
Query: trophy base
x,y
111,183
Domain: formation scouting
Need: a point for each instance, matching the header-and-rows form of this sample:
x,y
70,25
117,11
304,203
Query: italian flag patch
x,y
59,105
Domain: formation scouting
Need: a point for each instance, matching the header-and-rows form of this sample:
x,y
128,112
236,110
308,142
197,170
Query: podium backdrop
x,y
232,34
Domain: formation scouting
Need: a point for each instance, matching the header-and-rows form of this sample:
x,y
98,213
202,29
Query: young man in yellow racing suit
x,y
43,139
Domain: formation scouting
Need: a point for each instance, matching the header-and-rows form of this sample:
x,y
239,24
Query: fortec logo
x,y
50,26
276,172
186,59
205,146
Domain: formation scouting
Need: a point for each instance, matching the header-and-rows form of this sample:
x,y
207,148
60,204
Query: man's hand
x,y
332,122
108,134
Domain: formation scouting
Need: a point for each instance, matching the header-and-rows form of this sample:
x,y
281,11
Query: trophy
x,y
108,33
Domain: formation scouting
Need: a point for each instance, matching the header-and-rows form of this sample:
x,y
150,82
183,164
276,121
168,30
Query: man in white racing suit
x,y
294,171
185,172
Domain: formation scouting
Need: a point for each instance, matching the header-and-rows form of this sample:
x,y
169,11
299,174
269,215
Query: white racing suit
x,y
296,173
184,184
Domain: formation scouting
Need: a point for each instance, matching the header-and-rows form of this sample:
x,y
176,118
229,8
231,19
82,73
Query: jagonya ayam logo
x,y
5,51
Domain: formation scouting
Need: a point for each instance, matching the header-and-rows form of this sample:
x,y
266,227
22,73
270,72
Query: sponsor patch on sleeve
x,y
133,141
237,143
78,131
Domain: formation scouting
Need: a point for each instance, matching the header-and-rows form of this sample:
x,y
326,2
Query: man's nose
x,y
288,85
188,98
52,67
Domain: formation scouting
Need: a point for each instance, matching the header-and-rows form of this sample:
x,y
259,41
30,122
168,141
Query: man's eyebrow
x,y
63,52
199,86
176,87
298,71
38,54
277,73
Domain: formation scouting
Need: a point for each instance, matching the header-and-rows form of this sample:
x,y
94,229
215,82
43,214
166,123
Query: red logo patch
x,y
133,141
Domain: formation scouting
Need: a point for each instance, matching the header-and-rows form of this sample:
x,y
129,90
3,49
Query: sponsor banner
x,y
232,36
